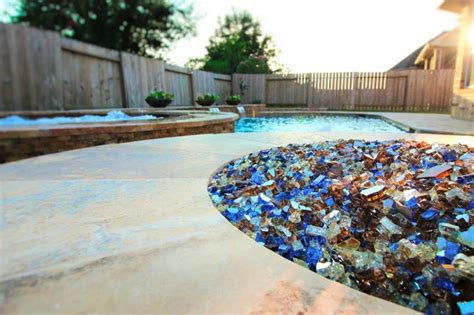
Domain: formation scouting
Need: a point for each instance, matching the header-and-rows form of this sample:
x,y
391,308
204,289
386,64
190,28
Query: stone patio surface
x,y
129,228
433,123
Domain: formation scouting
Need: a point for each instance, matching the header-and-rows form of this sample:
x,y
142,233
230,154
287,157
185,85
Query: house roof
x,y
454,5
445,39
409,61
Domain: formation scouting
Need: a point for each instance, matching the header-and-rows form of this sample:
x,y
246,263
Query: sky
x,y
329,35
326,35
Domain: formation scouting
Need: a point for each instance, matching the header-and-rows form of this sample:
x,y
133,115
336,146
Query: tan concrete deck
x,y
431,123
129,228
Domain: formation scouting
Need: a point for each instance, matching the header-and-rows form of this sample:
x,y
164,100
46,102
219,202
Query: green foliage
x,y
238,45
233,98
144,27
208,97
156,95
254,65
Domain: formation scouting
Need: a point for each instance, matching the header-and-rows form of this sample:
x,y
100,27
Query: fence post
x,y
354,90
309,90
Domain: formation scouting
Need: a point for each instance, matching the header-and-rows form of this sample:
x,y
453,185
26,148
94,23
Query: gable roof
x,y
445,40
409,61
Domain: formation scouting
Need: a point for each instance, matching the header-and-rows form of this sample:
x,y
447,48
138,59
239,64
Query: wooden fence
x,y
407,90
39,70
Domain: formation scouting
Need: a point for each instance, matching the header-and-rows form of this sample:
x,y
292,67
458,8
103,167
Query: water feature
x,y
112,116
241,111
311,123
214,110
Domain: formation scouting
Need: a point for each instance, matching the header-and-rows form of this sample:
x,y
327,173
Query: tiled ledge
x,y
130,228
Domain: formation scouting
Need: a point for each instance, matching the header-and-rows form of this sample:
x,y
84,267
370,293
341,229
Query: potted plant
x,y
233,99
159,98
207,99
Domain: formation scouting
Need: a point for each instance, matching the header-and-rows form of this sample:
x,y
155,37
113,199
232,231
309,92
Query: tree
x,y
144,27
238,46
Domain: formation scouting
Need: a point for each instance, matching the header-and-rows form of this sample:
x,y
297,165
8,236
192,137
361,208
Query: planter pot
x,y
205,103
232,102
158,103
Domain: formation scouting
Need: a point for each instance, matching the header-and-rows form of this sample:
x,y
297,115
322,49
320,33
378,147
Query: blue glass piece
x,y
263,199
441,243
233,210
428,164
358,143
276,212
466,307
452,249
294,204
430,214
449,155
271,171
445,284
330,202
312,255
388,203
234,214
467,237
411,203
459,211
297,246
268,183
319,179
466,179
257,178
284,248
216,199
415,239
346,205
268,207
259,238
294,192
229,189
393,247
467,156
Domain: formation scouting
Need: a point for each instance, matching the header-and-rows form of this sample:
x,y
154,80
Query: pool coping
x,y
160,247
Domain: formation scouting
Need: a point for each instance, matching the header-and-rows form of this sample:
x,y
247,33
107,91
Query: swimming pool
x,y
311,123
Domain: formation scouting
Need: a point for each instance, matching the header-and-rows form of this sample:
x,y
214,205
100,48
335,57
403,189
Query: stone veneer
x,y
463,110
25,142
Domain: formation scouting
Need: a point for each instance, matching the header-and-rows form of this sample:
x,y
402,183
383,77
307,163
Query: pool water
x,y
311,123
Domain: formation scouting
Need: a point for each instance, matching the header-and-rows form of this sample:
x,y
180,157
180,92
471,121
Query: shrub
x,y
156,95
208,97
233,98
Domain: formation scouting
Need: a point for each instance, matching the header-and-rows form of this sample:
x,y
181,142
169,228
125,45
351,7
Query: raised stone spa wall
x,y
33,141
